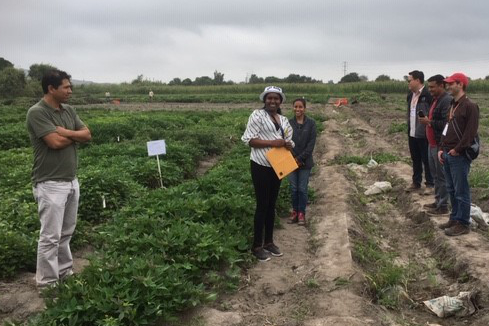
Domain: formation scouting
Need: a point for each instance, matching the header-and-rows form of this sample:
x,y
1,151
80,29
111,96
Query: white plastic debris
x,y
446,306
359,169
378,187
372,163
479,216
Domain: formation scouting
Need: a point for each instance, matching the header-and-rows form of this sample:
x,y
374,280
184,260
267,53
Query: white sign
x,y
156,147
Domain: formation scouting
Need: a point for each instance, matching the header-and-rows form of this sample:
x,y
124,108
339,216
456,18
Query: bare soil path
x,y
317,282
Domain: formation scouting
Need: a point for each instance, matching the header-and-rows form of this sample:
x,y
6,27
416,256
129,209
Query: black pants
x,y
418,147
267,186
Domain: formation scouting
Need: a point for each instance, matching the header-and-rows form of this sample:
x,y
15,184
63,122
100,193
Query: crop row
x,y
109,170
164,251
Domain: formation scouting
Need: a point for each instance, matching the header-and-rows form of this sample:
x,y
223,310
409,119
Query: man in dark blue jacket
x,y
435,123
418,103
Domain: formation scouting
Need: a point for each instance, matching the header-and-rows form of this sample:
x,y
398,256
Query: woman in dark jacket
x,y
304,137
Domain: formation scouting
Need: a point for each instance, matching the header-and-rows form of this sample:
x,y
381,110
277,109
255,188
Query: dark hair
x,y
416,74
439,79
302,100
53,78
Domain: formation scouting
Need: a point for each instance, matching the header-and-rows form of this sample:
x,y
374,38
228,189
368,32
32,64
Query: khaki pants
x,y
58,205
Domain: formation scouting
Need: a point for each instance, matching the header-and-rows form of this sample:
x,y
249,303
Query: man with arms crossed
x,y
54,129
435,123
419,102
457,136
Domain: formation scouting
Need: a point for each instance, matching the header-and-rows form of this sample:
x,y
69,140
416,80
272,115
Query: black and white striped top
x,y
261,126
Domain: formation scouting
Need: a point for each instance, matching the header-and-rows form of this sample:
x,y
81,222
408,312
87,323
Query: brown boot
x,y
413,187
432,205
438,211
447,225
457,229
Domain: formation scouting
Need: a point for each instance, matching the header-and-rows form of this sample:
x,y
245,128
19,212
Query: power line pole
x,y
344,68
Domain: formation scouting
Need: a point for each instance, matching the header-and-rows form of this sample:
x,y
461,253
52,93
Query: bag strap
x,y
457,129
277,125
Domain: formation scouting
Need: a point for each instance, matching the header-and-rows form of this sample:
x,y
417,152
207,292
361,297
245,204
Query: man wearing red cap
x,y
459,132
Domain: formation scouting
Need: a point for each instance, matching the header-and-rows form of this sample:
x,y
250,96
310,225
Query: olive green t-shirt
x,y
52,164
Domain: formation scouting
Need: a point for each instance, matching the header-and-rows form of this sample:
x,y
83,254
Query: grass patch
x,y
385,277
312,283
479,177
398,127
382,273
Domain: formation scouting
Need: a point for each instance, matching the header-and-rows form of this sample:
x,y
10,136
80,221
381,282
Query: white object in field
x,y
378,187
479,216
156,148
103,202
446,306
372,163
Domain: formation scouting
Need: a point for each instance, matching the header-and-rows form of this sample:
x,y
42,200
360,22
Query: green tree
x,y
350,78
12,82
218,78
187,82
5,64
272,79
294,78
254,79
138,80
382,78
487,77
175,81
204,80
37,70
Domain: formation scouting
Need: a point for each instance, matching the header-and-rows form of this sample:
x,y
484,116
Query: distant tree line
x,y
292,78
14,82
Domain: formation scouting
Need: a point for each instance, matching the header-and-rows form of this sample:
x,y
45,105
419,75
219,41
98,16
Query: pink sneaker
x,y
293,217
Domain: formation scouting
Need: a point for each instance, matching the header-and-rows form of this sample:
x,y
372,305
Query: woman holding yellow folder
x,y
266,128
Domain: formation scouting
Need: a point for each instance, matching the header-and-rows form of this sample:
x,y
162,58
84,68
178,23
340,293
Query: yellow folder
x,y
282,161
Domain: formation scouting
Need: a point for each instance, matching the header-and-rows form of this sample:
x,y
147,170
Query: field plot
x,y
156,250
157,253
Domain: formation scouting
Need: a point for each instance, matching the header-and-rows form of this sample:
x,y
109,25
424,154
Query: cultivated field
x,y
152,254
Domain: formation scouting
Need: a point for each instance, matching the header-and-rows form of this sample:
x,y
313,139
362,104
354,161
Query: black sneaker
x,y
260,254
273,250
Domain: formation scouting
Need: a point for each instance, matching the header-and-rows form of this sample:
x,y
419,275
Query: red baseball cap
x,y
457,77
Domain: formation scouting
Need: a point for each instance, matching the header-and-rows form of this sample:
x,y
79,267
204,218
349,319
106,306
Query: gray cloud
x,y
115,41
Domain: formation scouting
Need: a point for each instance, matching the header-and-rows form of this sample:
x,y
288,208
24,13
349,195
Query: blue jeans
x,y
437,171
457,170
298,180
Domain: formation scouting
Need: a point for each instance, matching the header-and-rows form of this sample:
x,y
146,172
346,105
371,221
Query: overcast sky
x,y
114,41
